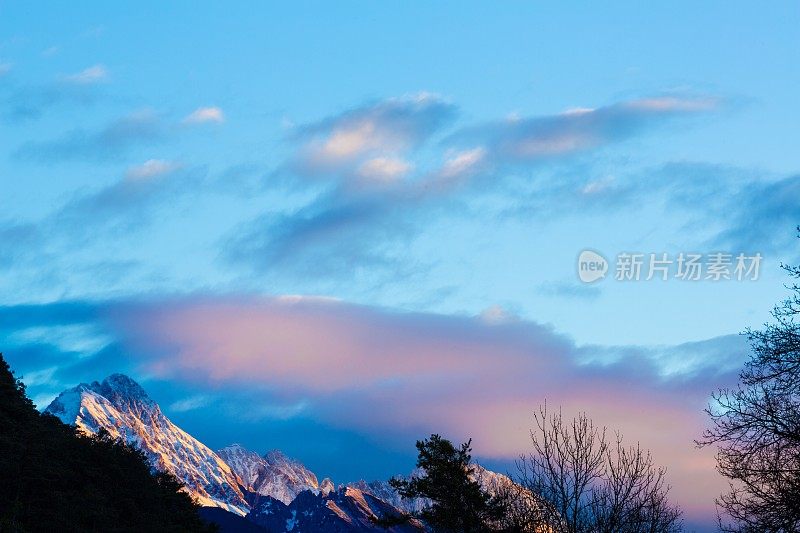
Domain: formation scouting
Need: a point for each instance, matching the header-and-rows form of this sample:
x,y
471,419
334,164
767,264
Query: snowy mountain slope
x,y
121,407
274,474
344,510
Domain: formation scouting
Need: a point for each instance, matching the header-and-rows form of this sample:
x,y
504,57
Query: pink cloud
x,y
372,138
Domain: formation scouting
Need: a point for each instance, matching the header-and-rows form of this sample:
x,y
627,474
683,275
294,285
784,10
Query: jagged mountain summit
x,y
121,407
273,474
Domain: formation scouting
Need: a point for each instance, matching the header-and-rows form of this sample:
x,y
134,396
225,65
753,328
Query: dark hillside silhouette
x,y
54,479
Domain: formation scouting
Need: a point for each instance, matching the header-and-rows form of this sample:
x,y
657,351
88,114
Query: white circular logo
x,y
591,266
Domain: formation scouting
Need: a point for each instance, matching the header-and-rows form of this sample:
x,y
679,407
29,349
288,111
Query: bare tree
x,y
756,427
586,482
523,511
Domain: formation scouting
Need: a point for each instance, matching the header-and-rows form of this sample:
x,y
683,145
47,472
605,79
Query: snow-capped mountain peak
x,y
120,406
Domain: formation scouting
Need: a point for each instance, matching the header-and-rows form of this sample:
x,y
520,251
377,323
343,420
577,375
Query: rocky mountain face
x,y
121,407
273,474
382,490
344,510
271,491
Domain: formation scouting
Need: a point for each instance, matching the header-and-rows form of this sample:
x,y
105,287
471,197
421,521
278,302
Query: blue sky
x,y
413,164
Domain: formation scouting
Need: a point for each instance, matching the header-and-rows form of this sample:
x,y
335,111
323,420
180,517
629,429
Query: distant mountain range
x,y
271,491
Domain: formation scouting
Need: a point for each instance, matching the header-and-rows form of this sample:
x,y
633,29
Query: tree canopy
x,y
756,427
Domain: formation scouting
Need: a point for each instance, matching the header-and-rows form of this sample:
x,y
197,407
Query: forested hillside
x,y
54,479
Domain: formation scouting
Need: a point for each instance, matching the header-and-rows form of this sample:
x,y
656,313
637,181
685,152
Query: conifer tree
x,y
458,503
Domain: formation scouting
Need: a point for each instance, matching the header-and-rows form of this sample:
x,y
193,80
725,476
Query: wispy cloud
x,y
341,144
31,102
569,290
732,208
379,184
151,169
383,169
111,141
460,163
203,115
762,216
119,208
328,238
124,202
376,173
88,76
519,140
362,157
190,404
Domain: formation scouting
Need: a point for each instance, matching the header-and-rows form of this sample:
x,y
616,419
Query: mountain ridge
x,y
272,490
273,474
121,407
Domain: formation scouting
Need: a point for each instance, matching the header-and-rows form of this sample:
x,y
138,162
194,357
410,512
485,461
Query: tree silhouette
x,y
756,427
585,482
458,504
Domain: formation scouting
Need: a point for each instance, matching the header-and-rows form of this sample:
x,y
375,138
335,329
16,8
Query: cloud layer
x,y
398,375
524,139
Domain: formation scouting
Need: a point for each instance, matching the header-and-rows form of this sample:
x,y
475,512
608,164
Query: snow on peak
x,y
120,406
273,474
326,486
116,389
66,406
276,457
125,387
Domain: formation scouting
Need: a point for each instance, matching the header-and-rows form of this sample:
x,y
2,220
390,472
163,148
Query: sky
x,y
335,229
